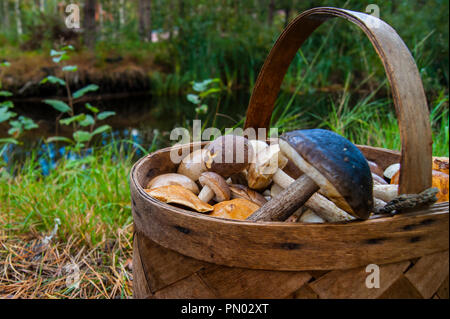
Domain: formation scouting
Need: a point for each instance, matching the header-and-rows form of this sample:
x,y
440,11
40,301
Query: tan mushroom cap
x,y
176,194
217,184
192,165
238,208
241,191
173,179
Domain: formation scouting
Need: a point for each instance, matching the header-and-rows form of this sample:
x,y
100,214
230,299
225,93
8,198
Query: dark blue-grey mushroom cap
x,y
345,175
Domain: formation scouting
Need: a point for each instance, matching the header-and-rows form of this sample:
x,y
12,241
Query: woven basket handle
x,y
407,90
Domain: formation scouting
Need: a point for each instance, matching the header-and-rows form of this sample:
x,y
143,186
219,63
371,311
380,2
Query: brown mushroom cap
x,y
336,165
173,179
228,155
241,191
176,194
238,208
217,184
192,165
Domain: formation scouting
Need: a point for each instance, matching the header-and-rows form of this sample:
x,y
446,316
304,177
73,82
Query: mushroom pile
x,y
309,176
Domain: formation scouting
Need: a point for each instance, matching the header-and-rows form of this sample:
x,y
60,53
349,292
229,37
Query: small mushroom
x,y
228,155
173,179
377,180
214,186
176,194
309,217
391,170
192,165
330,163
241,191
238,208
385,192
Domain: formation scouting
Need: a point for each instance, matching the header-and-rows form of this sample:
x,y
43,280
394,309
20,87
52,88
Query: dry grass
x,y
32,268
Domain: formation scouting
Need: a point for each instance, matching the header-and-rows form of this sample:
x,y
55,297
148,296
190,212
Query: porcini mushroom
x,y
176,194
214,186
228,155
238,208
268,162
391,170
192,165
309,217
241,191
173,179
330,163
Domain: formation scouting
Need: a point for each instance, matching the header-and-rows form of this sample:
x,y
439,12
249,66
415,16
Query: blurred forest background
x,y
79,106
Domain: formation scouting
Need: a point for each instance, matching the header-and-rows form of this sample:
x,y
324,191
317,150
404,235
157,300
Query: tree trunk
x,y
18,19
287,12
271,12
41,5
145,20
121,13
5,14
89,24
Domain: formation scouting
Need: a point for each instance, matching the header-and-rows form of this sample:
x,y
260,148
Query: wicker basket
x,y
181,254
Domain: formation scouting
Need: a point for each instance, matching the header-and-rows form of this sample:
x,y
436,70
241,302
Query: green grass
x,y
89,196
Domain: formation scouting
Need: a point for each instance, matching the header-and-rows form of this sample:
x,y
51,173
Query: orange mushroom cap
x,y
238,208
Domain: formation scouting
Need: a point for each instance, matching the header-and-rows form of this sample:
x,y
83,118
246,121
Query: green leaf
x,y
5,93
76,118
59,139
58,105
53,79
5,64
193,98
55,53
60,58
82,136
210,91
8,140
7,104
5,114
70,68
106,114
202,86
91,108
88,120
101,129
83,91
203,109
68,47
28,124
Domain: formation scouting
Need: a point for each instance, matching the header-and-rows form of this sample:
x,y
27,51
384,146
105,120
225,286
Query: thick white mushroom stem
x,y
385,192
323,207
206,194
